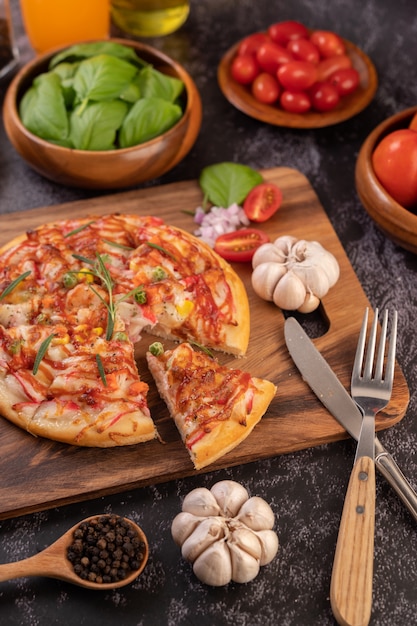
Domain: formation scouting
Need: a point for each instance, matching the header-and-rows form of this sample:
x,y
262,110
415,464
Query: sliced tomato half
x,y
240,245
262,202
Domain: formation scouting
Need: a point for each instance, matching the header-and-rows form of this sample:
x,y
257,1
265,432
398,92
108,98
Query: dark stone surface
x,y
305,489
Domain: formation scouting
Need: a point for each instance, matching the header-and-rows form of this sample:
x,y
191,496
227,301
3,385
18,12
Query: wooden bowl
x,y
241,97
397,222
112,169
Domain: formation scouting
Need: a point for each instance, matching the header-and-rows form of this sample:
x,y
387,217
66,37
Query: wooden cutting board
x,y
37,474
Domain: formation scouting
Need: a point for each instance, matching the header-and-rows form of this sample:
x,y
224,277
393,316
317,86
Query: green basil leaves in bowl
x,y
106,114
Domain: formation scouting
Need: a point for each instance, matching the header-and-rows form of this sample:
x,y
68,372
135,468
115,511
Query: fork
x,y
371,388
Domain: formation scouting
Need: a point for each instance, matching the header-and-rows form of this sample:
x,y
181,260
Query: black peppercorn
x,y
105,549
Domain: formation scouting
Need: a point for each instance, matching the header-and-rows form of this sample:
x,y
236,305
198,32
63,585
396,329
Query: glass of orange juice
x,y
52,23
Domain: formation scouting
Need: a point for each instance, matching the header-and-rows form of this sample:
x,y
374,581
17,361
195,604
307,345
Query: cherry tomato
x,y
303,50
413,123
328,43
240,245
295,101
346,81
250,44
244,69
395,164
270,57
297,75
283,32
265,88
327,67
262,202
324,96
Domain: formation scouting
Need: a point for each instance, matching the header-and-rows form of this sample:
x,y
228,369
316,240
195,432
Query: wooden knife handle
x,y
351,584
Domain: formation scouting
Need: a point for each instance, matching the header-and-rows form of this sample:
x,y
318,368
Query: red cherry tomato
x,y
324,96
240,245
395,164
345,81
283,32
270,57
295,101
262,202
250,44
297,75
265,88
303,50
244,69
328,43
327,67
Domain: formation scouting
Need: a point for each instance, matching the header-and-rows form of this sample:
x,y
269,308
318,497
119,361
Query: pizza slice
x,y
214,407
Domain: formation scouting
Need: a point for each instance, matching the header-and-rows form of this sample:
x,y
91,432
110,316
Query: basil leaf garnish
x,y
228,183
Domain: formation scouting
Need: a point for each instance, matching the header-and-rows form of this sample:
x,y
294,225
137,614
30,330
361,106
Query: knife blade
x,y
317,373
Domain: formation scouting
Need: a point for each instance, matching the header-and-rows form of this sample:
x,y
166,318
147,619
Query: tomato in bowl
x,y
398,222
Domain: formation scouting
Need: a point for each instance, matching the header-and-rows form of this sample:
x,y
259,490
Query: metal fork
x,y
371,388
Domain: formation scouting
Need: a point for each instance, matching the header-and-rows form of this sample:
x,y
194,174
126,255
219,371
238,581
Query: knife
x,y
323,381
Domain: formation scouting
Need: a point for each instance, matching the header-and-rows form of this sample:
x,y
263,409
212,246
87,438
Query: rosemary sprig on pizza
x,y
75,297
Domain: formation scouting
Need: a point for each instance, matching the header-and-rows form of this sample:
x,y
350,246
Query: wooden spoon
x,y
53,562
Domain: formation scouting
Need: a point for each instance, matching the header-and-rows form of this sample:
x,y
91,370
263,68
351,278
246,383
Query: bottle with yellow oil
x,y
149,18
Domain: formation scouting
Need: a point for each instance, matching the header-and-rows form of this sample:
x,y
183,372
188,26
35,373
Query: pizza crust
x,y
131,428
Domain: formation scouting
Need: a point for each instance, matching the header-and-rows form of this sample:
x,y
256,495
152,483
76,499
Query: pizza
x,y
76,296
214,407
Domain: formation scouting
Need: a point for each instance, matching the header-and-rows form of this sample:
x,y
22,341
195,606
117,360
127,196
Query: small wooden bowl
x,y
112,169
397,222
241,97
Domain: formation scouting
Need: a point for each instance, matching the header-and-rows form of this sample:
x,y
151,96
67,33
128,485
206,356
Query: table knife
x,y
323,381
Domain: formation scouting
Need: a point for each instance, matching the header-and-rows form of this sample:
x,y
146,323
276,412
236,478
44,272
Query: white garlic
x,y
265,278
214,566
269,545
183,525
232,540
207,532
256,514
244,566
230,496
294,274
201,502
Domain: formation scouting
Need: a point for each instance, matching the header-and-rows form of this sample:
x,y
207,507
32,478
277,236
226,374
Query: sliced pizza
x,y
214,407
76,296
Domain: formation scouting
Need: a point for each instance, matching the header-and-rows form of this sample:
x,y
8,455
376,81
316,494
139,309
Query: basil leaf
x,y
154,84
95,126
102,77
131,93
226,183
65,70
86,50
42,108
148,118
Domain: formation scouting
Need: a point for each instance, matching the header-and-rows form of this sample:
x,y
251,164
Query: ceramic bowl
x,y
397,222
112,169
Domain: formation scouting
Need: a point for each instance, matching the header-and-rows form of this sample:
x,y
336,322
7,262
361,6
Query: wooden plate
x,y
241,97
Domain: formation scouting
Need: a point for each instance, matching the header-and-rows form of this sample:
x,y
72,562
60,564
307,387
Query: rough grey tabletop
x,y
305,489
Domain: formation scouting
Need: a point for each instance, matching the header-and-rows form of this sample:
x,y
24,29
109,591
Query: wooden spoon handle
x,y
351,584
19,569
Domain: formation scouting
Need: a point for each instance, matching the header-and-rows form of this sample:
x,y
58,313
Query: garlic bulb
x,y
294,274
225,534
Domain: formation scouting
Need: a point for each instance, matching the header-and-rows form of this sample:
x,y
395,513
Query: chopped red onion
x,y
219,221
